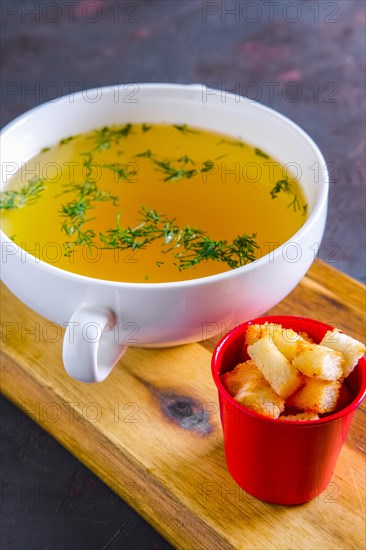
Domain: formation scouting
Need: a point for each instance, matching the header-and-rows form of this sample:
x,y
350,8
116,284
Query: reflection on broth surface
x,y
147,202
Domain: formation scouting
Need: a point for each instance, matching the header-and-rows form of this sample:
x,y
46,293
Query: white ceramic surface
x,y
103,317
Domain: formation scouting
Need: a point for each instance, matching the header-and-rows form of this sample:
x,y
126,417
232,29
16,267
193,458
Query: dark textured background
x,y
305,59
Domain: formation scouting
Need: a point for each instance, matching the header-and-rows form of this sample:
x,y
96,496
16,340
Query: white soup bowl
x,y
104,317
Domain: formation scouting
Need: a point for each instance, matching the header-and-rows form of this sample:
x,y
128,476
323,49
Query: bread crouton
x,y
277,370
316,395
316,360
253,334
351,349
263,400
249,387
235,379
285,339
300,416
306,337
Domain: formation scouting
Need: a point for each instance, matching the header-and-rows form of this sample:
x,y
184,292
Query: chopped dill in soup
x,y
151,202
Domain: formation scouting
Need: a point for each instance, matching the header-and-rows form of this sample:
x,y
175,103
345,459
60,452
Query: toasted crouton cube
x,y
285,339
351,349
316,360
253,334
257,394
316,395
235,379
277,370
301,416
306,337
248,386
263,400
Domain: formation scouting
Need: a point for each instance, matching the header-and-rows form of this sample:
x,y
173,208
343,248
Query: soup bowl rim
x,y
320,204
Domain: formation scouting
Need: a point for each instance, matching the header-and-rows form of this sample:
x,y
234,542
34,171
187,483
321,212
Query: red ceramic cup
x,y
281,461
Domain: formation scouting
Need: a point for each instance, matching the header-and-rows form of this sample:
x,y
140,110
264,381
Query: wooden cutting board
x,y
152,431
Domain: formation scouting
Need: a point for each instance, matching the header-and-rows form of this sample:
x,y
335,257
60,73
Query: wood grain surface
x,y
152,431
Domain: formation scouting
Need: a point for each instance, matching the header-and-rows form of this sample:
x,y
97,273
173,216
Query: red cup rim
x,y
277,319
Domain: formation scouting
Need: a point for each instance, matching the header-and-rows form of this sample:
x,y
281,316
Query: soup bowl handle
x,y
90,347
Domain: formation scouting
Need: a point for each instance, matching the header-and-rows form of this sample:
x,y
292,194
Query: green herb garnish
x,y
28,194
75,212
221,157
173,173
120,171
184,129
202,248
45,149
145,154
190,245
295,204
235,143
146,127
107,136
260,153
281,186
286,187
67,140
186,160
